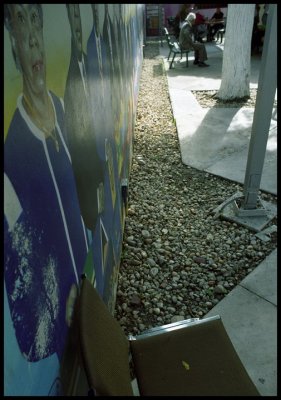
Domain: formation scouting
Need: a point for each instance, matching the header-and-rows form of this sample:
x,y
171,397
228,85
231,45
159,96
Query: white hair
x,y
191,17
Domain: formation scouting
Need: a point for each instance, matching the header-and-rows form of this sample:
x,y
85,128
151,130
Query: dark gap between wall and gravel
x,y
177,260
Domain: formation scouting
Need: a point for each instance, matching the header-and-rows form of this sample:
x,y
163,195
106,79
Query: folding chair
x,y
166,32
221,32
174,48
187,358
169,41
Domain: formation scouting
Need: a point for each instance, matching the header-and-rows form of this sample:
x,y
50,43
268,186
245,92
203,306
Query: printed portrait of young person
x,y
99,80
100,54
117,106
129,89
81,136
112,68
96,54
99,46
120,117
45,244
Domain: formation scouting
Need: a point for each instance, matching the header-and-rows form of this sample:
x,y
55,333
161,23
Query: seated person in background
x,y
180,18
200,27
186,42
258,33
213,28
265,14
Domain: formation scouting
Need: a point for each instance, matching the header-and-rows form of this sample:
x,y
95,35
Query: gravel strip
x,y
207,99
177,261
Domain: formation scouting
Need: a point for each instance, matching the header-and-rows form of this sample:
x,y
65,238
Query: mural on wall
x,y
68,146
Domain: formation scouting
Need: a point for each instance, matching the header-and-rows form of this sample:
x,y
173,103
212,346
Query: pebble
x,y
177,261
151,262
145,234
177,318
154,271
220,289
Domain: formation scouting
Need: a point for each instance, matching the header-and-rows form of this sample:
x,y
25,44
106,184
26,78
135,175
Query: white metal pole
x,y
263,112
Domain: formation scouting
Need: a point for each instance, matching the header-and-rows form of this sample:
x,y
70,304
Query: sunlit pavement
x,y
216,140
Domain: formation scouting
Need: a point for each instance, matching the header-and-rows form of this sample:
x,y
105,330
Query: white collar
x,y
38,133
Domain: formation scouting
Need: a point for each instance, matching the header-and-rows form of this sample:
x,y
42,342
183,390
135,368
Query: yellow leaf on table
x,y
186,365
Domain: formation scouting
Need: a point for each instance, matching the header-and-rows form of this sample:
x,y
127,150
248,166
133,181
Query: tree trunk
x,y
236,65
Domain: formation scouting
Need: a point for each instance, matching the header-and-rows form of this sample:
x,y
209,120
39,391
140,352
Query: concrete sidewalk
x,y
216,140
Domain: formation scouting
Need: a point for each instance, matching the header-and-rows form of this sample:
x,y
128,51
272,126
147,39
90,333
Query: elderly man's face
x,y
76,27
28,44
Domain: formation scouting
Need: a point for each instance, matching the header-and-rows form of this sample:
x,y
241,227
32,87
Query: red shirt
x,y
199,19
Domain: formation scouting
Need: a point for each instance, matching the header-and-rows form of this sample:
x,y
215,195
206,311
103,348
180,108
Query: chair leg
x,y
220,36
171,63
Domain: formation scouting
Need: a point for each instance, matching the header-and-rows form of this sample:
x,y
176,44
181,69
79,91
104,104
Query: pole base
x,y
254,220
259,211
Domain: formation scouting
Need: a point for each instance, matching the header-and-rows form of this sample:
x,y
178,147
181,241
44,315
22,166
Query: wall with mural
x,y
71,77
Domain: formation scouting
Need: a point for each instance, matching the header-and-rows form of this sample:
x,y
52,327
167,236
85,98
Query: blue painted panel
x,y
71,87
